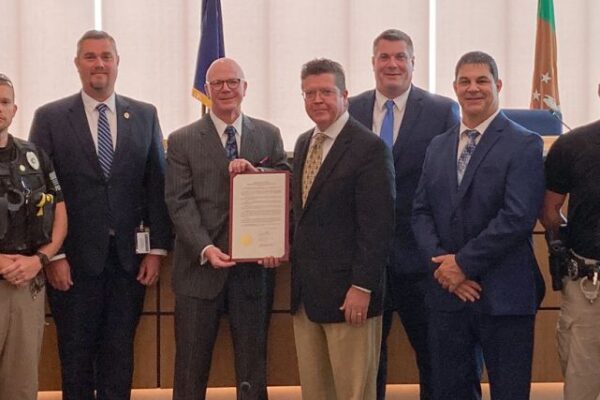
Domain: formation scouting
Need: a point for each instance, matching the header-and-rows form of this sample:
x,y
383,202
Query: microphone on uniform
x,y
554,110
244,389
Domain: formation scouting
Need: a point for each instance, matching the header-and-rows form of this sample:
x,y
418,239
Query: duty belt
x,y
588,270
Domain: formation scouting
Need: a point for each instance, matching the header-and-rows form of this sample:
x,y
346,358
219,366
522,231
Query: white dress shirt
x,y
220,126
481,128
379,111
90,104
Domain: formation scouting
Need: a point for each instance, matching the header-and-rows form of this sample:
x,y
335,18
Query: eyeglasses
x,y
231,83
324,93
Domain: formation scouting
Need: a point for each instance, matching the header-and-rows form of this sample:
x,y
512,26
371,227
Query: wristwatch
x,y
43,258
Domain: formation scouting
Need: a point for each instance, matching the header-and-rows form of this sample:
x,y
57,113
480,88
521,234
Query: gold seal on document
x,y
246,240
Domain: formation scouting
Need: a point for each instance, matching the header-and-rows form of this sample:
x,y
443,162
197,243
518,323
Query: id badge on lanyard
x,y
142,239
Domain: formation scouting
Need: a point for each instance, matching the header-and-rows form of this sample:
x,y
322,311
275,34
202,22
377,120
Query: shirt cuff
x,y
158,252
58,256
362,289
203,259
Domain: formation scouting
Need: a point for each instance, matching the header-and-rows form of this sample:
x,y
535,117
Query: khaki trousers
x,y
337,361
21,332
578,335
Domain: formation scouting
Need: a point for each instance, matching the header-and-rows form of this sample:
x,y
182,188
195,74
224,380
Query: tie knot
x,y
230,131
471,134
319,138
389,105
101,107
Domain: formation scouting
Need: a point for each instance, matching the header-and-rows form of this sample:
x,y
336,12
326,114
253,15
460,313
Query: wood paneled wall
x,y
155,346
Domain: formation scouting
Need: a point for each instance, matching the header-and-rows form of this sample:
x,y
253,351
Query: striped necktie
x,y
231,149
105,144
466,153
387,126
312,164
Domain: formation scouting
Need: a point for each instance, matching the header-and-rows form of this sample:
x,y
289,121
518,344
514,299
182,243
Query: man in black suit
x,y
343,201
201,157
416,117
108,154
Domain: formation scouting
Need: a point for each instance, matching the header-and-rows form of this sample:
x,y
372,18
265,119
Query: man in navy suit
x,y
416,117
108,154
474,211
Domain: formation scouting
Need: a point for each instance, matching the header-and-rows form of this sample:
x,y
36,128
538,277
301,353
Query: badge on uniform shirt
x,y
32,160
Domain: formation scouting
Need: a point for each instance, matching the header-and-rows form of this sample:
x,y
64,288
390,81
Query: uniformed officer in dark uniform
x,y
573,169
33,224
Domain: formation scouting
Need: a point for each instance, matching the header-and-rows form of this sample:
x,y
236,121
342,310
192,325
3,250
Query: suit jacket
x,y
343,234
426,116
133,193
197,195
487,221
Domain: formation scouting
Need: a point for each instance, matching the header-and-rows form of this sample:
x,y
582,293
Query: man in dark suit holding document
x,y
206,282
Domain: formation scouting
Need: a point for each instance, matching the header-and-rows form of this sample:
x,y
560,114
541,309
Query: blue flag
x,y
211,46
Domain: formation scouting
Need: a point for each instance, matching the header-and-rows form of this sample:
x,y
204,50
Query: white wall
x,y
271,39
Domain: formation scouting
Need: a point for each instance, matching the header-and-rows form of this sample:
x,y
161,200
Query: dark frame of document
x,y
259,216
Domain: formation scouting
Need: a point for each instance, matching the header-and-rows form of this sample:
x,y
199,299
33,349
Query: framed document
x,y
259,216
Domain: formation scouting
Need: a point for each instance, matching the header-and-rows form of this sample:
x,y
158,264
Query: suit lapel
x,y
125,140
449,165
249,147
81,132
299,161
365,110
411,116
212,141
336,152
489,138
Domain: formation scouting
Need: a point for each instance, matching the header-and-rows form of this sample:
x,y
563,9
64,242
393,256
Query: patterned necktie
x,y
231,149
466,153
312,164
387,126
105,144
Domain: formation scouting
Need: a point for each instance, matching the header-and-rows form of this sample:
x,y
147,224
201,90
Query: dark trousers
x,y
247,298
406,296
456,342
96,321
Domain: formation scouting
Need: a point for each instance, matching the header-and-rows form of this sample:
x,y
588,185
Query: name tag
x,y
142,239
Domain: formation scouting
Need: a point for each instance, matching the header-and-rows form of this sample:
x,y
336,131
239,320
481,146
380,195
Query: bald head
x,y
221,64
226,87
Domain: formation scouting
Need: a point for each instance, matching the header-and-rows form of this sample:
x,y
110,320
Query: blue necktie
x,y
231,145
105,144
466,153
387,126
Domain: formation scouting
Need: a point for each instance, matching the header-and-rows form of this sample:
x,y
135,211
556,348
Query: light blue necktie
x,y
466,153
387,126
105,144
231,149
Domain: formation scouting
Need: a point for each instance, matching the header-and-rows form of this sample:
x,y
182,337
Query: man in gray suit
x,y
108,154
201,157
